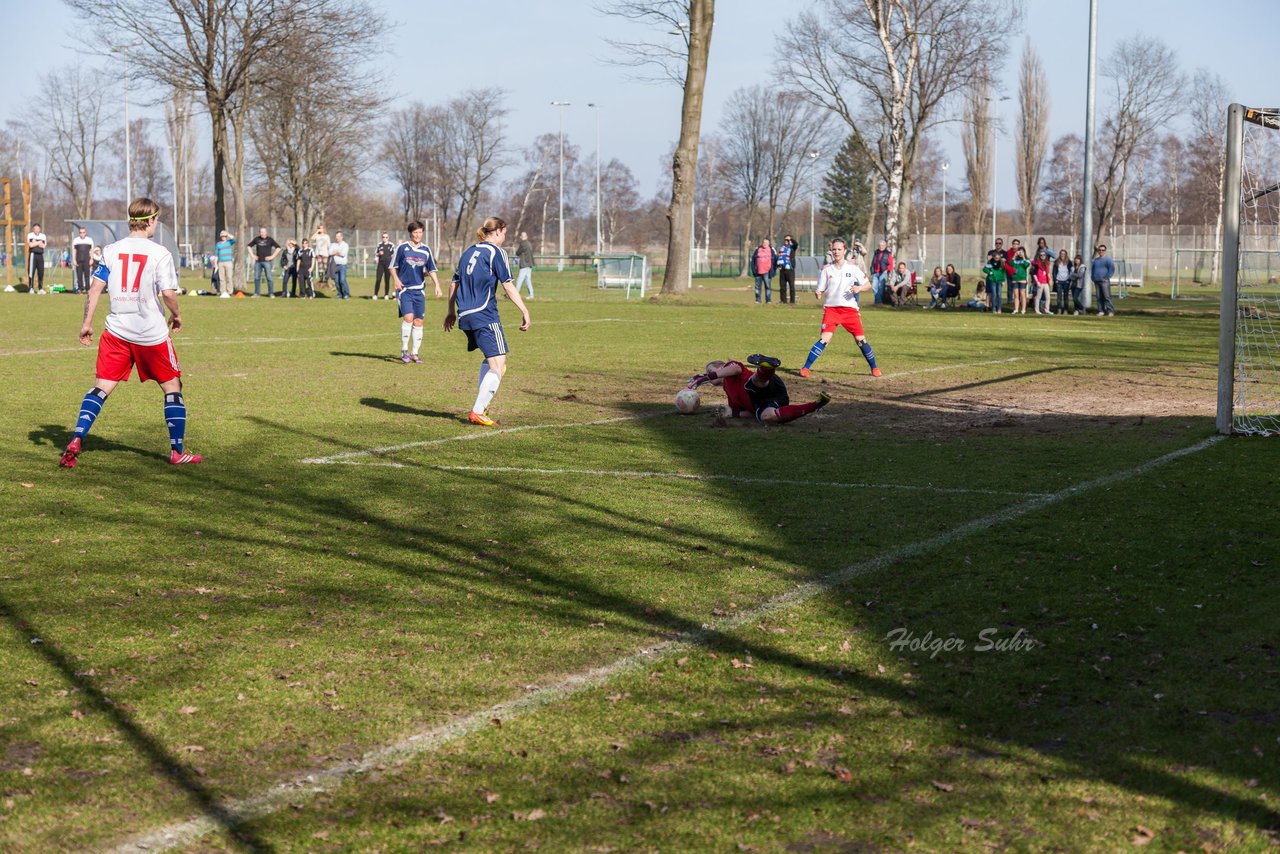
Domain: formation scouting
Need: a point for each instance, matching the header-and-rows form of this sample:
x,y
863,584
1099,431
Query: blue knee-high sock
x,y
90,408
175,417
814,352
865,347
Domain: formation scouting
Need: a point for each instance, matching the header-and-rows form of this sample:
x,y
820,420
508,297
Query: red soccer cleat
x,y
68,459
481,418
875,372
183,459
804,372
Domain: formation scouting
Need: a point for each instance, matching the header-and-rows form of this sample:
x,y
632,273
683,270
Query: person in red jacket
x,y
881,268
763,262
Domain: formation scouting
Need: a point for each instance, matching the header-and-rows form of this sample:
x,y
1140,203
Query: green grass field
x,y
366,625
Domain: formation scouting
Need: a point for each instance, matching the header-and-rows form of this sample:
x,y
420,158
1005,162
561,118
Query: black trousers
x,y
384,273
290,274
35,270
82,277
787,285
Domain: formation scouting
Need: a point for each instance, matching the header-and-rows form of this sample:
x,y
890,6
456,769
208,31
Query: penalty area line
x,y
467,437
317,781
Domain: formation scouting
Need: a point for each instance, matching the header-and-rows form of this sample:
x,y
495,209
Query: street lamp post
x,y
561,105
995,157
128,150
945,166
599,244
813,193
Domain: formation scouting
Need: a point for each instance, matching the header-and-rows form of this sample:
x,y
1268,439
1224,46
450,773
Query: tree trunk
x,y
684,165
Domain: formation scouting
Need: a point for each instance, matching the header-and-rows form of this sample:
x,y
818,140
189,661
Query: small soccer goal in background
x,y
623,271
1249,338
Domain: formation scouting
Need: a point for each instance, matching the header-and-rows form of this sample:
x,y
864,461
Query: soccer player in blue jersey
x,y
473,305
410,266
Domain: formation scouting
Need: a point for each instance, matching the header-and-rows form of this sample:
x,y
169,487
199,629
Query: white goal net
x,y
626,272
1251,280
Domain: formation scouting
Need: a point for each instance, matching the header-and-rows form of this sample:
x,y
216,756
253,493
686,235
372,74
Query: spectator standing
x,y
787,269
1021,268
1078,271
338,252
37,240
289,262
1041,277
1102,271
320,245
881,268
306,259
384,252
225,253
266,249
1062,269
763,262
995,273
524,260
82,246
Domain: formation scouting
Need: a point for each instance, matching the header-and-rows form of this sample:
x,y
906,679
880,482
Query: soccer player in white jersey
x,y
473,305
139,277
839,284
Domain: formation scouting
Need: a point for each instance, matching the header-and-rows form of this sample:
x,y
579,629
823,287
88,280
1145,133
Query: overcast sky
x,y
555,50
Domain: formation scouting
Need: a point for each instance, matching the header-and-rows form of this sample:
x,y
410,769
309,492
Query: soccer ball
x,y
687,401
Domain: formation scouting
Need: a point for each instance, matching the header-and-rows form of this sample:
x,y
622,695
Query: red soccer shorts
x,y
834,316
116,357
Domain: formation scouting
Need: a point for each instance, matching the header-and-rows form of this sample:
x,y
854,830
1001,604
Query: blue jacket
x,y
1102,269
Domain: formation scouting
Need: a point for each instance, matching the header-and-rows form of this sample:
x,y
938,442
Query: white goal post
x,y
1249,334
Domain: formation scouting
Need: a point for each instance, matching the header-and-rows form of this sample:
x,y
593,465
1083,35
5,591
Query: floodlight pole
x,y
561,105
599,243
1086,218
945,166
813,197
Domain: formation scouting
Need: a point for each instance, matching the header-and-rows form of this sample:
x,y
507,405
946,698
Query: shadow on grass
x,y
160,758
377,357
57,436
401,409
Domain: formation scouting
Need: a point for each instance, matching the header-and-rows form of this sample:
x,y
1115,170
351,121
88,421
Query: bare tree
x,y
407,157
747,138
73,130
619,200
686,65
218,52
1146,89
1063,179
894,64
976,142
1033,132
474,149
307,151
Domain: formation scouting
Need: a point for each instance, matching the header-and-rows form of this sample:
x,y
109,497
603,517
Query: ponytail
x,y
491,225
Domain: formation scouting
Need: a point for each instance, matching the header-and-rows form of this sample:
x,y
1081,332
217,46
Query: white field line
x,y
304,786
268,339
953,367
467,437
764,481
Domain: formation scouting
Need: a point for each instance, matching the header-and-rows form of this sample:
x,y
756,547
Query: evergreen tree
x,y
846,195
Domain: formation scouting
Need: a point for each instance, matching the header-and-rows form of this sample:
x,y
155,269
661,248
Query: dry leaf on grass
x,y
188,710
942,787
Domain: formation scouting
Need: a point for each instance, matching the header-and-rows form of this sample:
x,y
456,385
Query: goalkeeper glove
x,y
698,380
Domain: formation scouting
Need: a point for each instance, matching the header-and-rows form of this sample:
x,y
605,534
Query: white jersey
x,y
136,270
338,252
838,283
37,242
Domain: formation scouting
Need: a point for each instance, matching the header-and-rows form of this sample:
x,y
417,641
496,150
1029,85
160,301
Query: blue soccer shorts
x,y
412,302
488,339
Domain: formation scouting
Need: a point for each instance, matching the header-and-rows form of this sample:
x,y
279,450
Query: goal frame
x,y
1237,114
